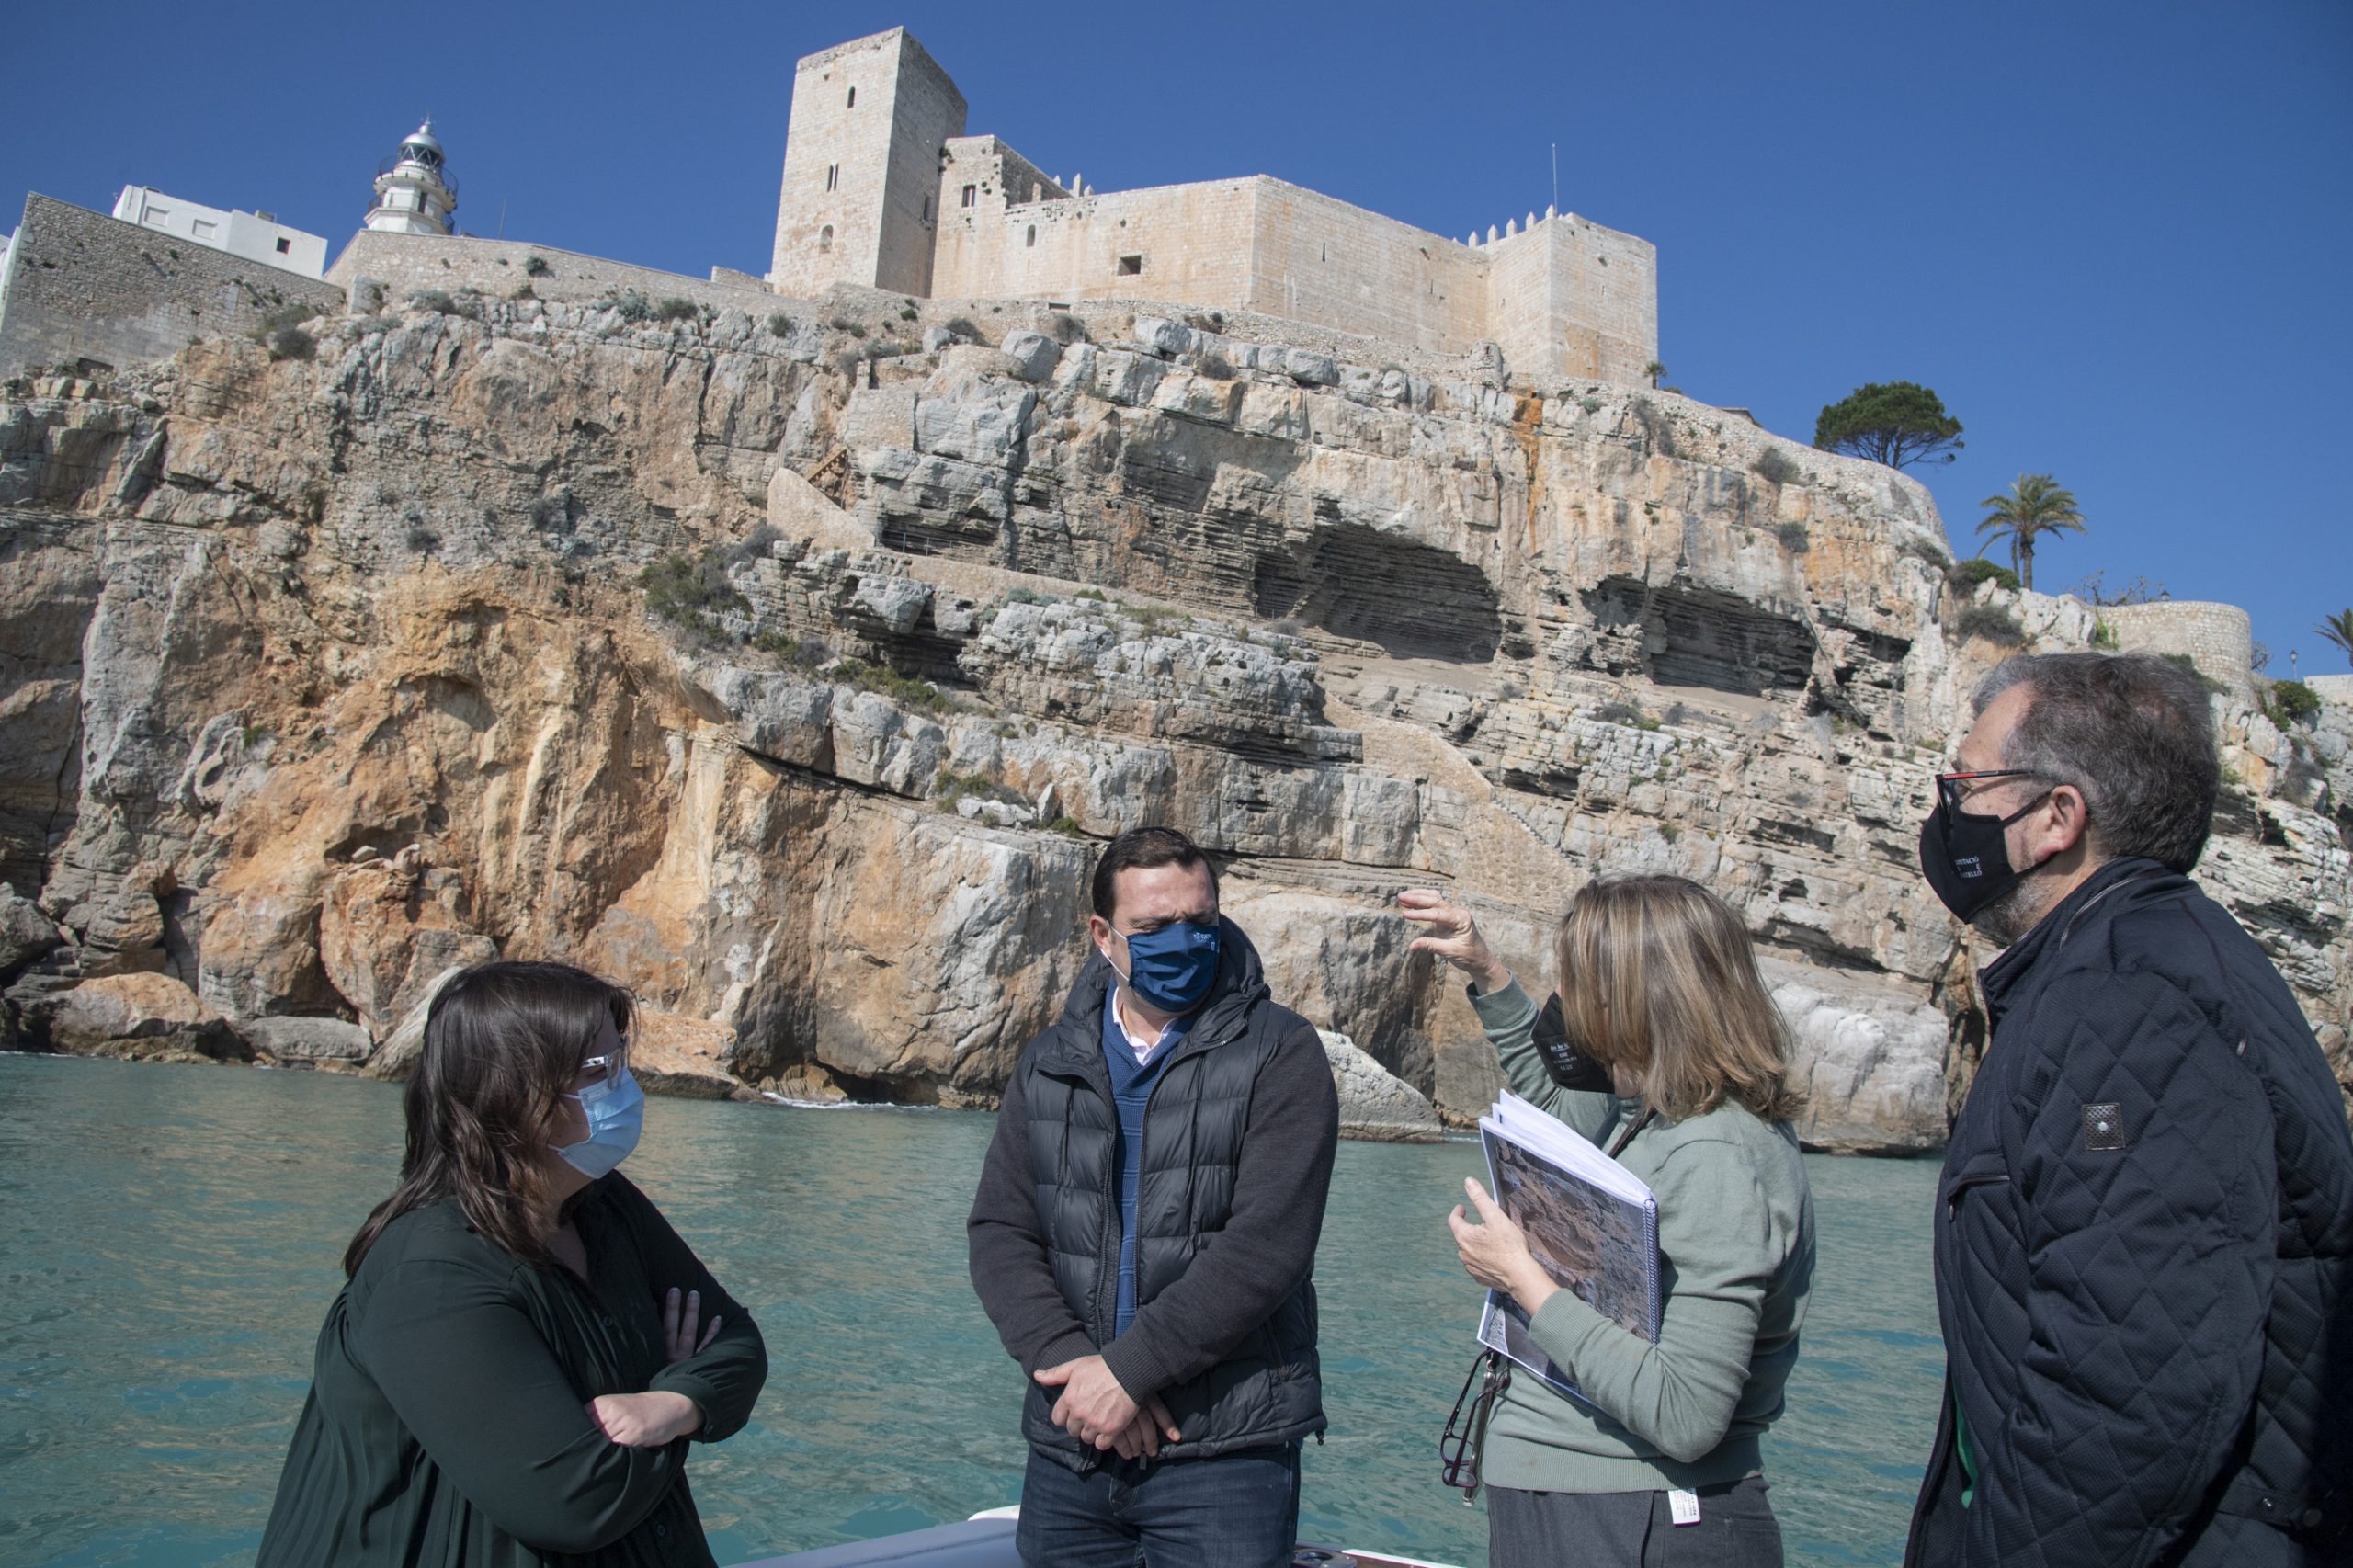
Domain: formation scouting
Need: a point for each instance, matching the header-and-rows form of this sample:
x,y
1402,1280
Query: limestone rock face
x,y
152,1017
308,1041
1376,1104
25,932
794,681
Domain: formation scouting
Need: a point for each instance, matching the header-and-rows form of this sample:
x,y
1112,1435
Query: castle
x,y
883,189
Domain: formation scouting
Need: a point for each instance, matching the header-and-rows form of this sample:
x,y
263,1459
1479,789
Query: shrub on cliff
x,y
2291,702
1775,467
883,681
1965,576
1895,423
677,309
1992,623
535,266
692,592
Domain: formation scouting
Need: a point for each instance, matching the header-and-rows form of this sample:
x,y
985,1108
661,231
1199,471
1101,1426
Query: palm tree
x,y
2036,504
2338,628
1655,372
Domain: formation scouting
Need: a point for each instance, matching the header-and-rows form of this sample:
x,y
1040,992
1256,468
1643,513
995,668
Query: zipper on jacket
x,y
1953,1193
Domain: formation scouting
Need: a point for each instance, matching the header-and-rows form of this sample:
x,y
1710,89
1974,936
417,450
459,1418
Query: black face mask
x,y
1966,856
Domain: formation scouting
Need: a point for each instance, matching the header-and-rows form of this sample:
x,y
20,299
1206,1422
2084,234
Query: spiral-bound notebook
x,y
1592,1224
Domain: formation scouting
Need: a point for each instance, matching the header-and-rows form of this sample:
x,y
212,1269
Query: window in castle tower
x,y
972,195
853,99
1326,256
1032,240
825,237
926,208
285,247
832,176
1131,266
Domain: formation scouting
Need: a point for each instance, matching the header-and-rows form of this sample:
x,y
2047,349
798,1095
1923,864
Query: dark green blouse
x,y
447,1423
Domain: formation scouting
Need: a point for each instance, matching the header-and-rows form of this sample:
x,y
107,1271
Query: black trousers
x,y
1632,1529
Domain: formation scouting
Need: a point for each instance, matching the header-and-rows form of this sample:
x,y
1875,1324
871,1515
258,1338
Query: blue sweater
x,y
1132,1083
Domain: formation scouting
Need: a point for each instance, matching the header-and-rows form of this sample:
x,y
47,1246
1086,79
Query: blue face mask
x,y
1173,968
616,1113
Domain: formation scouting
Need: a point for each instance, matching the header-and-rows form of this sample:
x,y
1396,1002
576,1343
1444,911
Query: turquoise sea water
x,y
168,1238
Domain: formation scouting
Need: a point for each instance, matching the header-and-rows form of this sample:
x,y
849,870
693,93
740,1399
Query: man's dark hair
x,y
1141,848
2134,732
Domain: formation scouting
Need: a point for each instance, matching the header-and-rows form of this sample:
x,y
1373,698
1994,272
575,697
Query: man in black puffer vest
x,y
1144,1235
2144,1230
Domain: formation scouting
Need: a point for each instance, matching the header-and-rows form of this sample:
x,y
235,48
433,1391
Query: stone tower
x,y
861,167
414,194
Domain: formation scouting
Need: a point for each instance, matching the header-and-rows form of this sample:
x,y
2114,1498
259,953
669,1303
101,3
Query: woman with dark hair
x,y
524,1347
1662,1003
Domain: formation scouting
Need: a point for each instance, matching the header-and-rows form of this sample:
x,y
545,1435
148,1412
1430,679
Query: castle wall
x,y
859,202
85,286
1605,300
1192,243
1318,259
2218,638
904,200
405,264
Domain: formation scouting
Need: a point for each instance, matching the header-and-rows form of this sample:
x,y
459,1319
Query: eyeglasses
x,y
1466,1428
607,1068
1948,784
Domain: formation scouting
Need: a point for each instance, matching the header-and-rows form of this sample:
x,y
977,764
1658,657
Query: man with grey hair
x,y
2145,1229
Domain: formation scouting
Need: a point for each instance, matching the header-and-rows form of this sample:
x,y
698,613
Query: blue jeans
x,y
1238,1510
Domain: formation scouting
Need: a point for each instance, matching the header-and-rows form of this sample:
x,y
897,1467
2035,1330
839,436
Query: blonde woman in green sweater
x,y
1659,986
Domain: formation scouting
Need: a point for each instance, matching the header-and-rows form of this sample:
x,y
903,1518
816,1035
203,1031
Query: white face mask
x,y
616,1115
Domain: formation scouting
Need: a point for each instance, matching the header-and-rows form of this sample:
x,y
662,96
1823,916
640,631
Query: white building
x,y
256,236
414,194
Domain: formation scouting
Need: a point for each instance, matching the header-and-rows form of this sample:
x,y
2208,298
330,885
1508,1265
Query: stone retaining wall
x,y
82,284
405,263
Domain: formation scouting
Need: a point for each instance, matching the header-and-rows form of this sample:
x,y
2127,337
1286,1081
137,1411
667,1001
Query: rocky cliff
x,y
788,669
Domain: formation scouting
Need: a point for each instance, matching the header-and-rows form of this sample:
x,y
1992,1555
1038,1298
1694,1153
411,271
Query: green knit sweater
x,y
1736,1224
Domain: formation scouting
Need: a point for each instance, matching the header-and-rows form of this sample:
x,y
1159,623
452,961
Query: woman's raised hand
x,y
1452,935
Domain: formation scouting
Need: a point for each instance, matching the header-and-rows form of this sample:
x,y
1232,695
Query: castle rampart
x,y
405,263
81,285
2218,639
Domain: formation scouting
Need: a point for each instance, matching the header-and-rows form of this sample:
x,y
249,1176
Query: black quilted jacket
x,y
2144,1254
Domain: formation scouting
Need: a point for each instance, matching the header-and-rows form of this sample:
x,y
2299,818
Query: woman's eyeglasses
x,y
1466,1428
605,1069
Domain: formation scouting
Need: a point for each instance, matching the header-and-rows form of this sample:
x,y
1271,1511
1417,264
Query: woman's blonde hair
x,y
1658,976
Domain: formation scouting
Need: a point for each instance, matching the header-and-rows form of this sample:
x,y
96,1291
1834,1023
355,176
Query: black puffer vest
x,y
1269,1390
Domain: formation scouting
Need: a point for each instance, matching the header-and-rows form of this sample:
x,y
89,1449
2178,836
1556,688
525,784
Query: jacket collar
x,y
2002,979
1075,1043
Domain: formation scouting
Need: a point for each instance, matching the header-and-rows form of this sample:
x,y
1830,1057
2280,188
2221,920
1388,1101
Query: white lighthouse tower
x,y
414,194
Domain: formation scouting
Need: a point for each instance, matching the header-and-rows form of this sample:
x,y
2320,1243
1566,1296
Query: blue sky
x,y
2113,236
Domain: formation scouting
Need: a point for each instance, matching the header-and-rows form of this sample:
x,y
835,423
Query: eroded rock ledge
x,y
325,677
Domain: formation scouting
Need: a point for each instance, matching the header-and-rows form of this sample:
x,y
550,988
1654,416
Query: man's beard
x,y
2014,913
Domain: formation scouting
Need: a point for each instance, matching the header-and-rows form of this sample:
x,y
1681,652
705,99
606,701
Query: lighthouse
x,y
414,194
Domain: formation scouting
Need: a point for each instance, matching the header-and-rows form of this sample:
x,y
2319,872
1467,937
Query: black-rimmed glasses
x,y
1950,785
1466,1428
